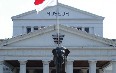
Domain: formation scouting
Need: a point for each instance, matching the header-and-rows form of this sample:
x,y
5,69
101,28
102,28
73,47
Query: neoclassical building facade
x,y
30,48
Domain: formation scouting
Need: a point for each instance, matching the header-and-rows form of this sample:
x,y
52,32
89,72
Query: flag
x,y
41,4
37,2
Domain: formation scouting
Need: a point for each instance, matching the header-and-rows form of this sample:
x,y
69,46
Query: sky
x,y
105,8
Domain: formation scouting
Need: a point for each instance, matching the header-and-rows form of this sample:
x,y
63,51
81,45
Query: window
x,y
87,29
28,29
35,28
42,26
79,28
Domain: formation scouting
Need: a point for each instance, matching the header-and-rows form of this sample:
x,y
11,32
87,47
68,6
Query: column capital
x,y
69,66
92,61
69,62
92,66
22,62
45,66
46,62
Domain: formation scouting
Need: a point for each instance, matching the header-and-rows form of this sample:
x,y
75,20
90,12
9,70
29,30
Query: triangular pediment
x,y
65,12
72,38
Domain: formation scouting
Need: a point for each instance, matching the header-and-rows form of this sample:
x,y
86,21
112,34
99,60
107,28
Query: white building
x,y
30,48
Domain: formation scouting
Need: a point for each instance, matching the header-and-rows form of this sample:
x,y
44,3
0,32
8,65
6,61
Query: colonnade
x,y
69,67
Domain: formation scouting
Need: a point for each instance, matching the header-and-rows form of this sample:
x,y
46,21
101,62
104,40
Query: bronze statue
x,y
60,57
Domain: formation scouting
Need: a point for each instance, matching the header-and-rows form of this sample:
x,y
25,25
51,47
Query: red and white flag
x,y
41,4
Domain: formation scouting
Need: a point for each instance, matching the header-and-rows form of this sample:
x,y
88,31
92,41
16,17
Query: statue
x,y
60,57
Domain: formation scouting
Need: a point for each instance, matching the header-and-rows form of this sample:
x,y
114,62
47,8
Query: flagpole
x,y
57,22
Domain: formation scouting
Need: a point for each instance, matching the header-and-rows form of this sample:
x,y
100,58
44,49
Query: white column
x,y
32,29
92,66
101,71
84,70
23,66
83,29
45,66
69,67
1,66
31,71
113,66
